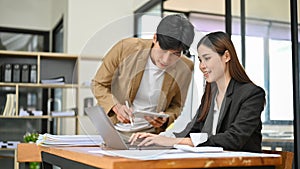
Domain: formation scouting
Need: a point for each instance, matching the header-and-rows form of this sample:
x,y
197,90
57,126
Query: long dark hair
x,y
220,42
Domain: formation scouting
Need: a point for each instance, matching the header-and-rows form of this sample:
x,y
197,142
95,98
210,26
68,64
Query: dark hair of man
x,y
220,42
175,32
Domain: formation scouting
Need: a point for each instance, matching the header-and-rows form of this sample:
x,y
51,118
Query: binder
x,y
33,74
10,105
16,75
25,73
6,71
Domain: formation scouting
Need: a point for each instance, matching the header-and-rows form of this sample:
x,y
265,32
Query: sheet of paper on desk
x,y
136,154
204,149
175,154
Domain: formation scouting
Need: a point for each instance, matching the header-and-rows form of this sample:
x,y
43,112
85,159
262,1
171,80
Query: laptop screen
x,y
105,128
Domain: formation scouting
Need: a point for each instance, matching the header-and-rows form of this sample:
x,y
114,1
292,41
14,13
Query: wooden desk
x,y
79,157
28,152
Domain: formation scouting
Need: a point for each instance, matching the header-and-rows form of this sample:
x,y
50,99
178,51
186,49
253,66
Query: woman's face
x,y
212,65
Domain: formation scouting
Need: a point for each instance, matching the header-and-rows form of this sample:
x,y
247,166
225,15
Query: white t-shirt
x,y
150,88
147,95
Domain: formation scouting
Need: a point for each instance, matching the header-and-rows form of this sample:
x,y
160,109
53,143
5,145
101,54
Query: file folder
x,y
16,75
33,74
25,73
6,71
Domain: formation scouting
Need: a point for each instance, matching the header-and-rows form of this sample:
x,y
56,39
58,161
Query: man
x,y
151,75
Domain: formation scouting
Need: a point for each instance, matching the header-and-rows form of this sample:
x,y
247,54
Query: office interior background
x,y
261,31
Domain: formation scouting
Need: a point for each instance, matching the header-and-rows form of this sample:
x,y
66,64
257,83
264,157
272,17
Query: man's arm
x,y
101,83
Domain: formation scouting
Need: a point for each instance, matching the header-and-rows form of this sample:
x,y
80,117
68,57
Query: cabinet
x,y
34,96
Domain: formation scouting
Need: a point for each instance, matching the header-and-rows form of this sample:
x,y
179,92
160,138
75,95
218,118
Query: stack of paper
x,y
63,113
56,80
69,140
23,112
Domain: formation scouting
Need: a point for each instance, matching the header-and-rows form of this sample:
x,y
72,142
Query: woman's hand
x,y
152,139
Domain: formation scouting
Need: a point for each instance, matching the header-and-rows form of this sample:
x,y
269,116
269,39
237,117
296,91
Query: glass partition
x,y
268,61
264,47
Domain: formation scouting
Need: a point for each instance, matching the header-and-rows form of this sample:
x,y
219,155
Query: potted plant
x,y
32,138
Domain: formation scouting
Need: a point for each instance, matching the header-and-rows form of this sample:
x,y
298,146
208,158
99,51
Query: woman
x,y
231,106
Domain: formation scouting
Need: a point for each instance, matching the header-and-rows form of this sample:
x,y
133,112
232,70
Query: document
x,y
137,154
179,151
131,128
176,154
56,80
69,140
63,113
203,149
139,122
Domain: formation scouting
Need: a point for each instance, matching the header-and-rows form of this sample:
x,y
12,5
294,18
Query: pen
x,y
130,118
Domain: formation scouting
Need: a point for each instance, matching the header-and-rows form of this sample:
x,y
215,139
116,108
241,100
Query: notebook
x,y
112,138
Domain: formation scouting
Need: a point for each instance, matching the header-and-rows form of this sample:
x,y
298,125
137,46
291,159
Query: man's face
x,y
163,58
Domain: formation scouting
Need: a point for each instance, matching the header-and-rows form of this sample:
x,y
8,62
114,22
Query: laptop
x,y
112,138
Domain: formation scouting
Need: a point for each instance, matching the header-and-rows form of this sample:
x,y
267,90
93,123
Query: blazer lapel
x,y
141,62
228,101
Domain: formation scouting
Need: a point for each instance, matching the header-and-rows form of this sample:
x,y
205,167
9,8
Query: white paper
x,y
175,154
69,140
203,149
128,128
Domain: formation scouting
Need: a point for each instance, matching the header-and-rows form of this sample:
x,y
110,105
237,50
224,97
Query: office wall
x,y
32,14
87,18
82,19
29,14
59,11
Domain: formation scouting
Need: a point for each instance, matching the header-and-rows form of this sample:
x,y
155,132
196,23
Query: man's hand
x,y
156,121
122,112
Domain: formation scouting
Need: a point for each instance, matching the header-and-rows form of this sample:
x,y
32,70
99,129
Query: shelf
x,y
35,117
39,85
35,54
7,149
31,94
